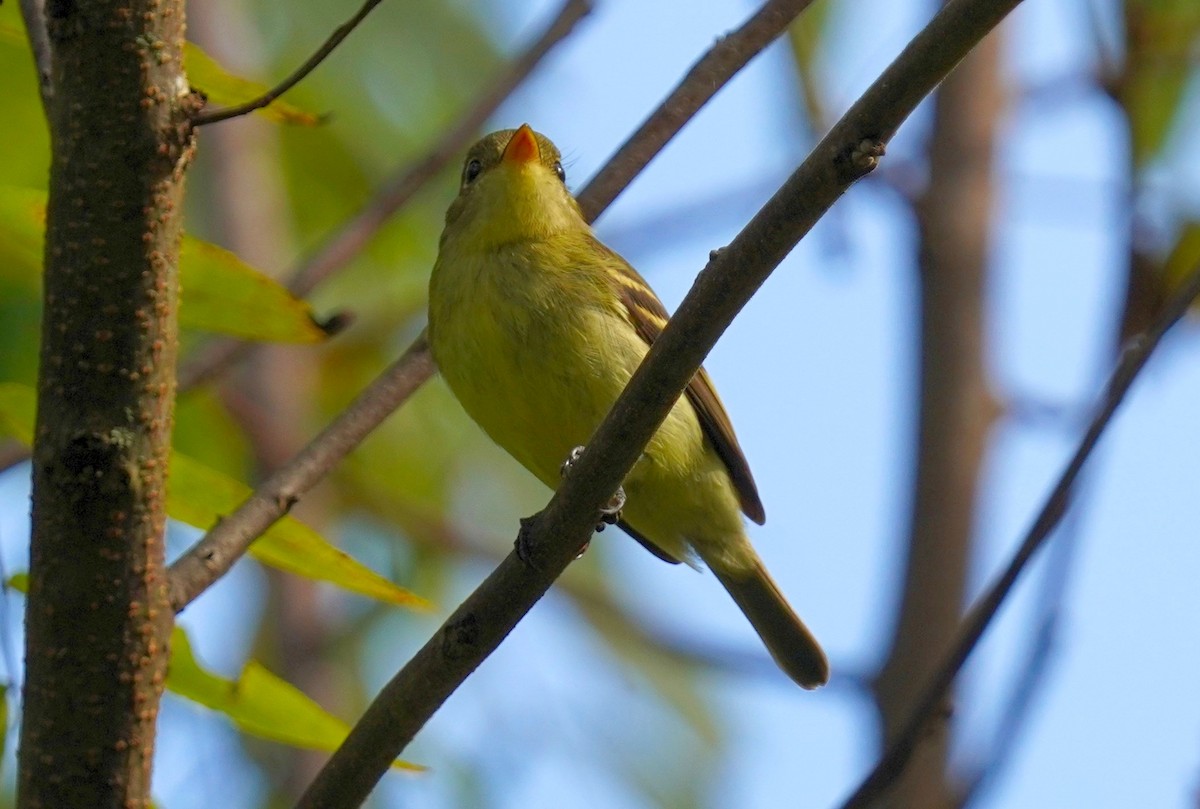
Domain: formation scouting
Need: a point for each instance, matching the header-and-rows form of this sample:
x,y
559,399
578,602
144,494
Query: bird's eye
x,y
559,171
471,171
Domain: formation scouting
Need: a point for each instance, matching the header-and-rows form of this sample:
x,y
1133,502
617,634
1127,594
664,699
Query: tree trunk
x,y
98,620
956,408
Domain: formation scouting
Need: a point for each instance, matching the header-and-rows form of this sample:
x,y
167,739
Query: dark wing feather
x,y
647,544
649,316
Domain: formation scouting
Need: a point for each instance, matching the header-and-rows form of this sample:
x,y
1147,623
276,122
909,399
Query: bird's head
x,y
513,189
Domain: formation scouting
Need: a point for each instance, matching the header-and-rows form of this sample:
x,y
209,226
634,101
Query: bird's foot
x,y
610,512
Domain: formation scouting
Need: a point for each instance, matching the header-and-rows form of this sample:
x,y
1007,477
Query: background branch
x,y
1134,358
554,537
956,409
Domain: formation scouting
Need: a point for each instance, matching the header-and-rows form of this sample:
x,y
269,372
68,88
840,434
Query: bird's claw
x,y
610,512
572,457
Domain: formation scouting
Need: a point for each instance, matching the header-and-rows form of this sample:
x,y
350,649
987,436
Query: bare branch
x,y
553,538
1031,672
215,553
712,72
335,39
1132,360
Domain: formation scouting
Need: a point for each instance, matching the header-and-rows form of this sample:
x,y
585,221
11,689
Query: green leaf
x,y
1184,256
17,406
199,495
258,702
224,294
807,36
220,292
1160,37
227,90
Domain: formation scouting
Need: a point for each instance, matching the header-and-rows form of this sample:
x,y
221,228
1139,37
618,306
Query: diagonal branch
x,y
1132,360
552,539
711,72
310,64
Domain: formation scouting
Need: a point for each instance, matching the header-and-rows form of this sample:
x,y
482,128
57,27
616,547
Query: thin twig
x,y
395,192
551,540
1032,672
215,553
981,614
335,39
710,73
34,14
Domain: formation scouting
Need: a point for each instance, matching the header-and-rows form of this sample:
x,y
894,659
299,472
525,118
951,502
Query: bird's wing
x,y
649,316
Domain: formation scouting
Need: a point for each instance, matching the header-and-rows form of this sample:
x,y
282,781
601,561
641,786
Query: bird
x,y
536,327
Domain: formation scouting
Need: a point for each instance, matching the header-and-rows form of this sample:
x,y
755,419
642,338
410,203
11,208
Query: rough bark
x,y
99,619
956,408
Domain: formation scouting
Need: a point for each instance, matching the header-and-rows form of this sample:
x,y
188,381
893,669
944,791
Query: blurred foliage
x,y
258,702
1149,80
220,292
199,495
1161,42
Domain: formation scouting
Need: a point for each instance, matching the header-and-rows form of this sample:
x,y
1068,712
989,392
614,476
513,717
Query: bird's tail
x,y
784,634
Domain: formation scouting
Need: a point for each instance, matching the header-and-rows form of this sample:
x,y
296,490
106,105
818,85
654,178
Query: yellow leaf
x,y
258,702
1183,258
220,292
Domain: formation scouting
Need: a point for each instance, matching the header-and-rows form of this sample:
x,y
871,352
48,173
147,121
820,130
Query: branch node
x,y
526,552
285,500
460,637
860,159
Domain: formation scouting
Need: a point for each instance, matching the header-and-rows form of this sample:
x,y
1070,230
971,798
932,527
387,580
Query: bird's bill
x,y
522,147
